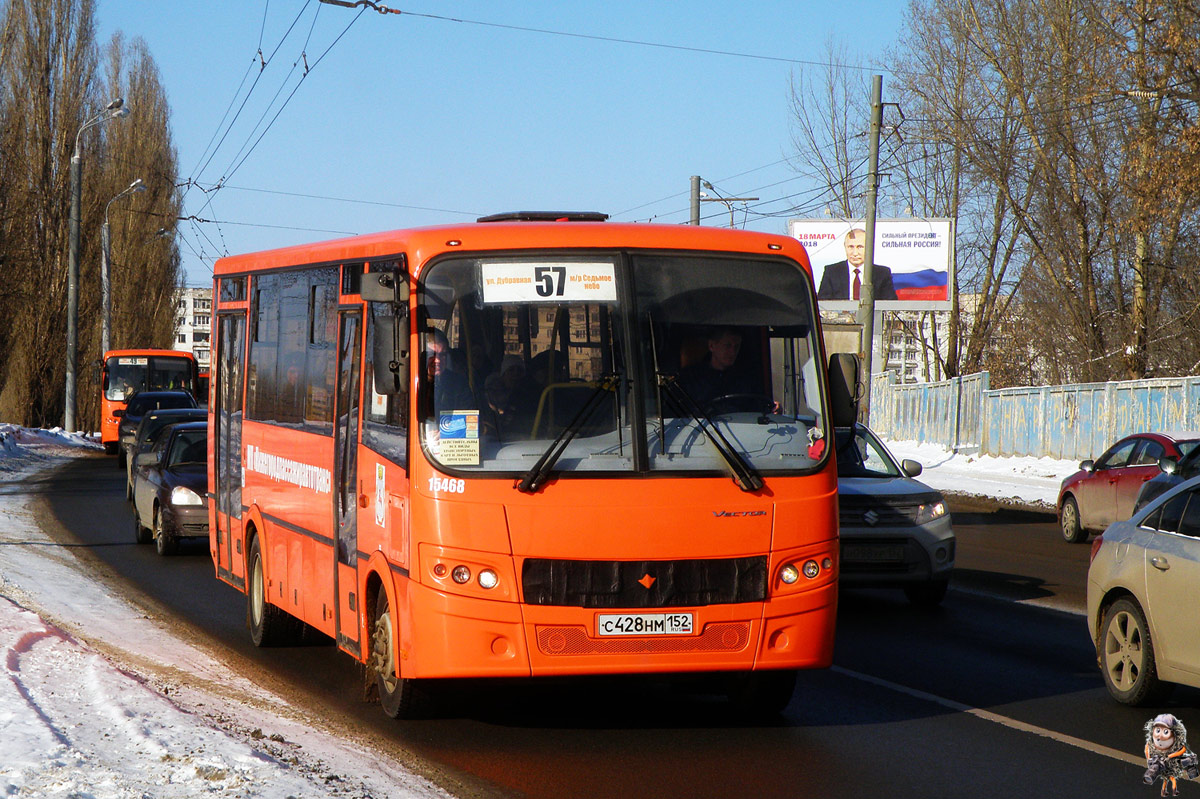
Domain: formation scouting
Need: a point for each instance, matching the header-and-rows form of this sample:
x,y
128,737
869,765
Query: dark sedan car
x,y
138,406
1105,490
1172,472
170,488
148,431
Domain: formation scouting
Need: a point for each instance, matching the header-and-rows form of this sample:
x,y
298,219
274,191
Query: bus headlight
x,y
182,495
461,575
488,579
789,574
811,569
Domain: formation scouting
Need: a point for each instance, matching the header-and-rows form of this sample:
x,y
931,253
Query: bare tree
x,y
49,87
48,79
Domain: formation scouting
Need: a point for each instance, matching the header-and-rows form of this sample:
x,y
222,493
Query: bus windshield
x,y
128,374
620,362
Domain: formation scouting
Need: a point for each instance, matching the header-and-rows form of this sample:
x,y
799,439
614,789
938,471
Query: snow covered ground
x,y
1023,481
102,702
99,701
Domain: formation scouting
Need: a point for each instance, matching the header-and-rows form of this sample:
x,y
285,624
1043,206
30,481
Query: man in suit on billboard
x,y
843,280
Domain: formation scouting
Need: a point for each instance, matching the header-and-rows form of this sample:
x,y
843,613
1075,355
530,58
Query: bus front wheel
x,y
397,695
763,693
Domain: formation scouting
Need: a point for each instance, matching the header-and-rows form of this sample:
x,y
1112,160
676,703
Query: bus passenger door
x,y
227,447
345,461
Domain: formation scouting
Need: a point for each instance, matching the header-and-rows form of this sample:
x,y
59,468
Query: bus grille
x,y
623,584
573,640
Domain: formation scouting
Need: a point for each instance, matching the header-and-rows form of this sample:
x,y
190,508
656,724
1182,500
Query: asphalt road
x,y
994,694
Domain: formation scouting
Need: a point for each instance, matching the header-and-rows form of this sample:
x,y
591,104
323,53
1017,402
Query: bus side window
x,y
385,416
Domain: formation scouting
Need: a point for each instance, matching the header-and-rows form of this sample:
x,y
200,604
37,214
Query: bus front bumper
x,y
457,636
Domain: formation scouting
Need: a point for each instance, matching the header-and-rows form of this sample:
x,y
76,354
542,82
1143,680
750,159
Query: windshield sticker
x,y
459,434
543,281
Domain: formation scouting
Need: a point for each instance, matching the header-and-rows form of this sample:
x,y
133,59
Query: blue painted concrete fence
x,y
1069,422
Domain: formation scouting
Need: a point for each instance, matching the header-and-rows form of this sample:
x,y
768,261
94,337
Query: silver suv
x,y
895,530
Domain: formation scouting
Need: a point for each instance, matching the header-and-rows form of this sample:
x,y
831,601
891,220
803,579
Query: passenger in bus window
x,y
451,390
511,399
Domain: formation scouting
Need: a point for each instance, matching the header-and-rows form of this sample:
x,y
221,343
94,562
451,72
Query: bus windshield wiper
x,y
745,475
537,475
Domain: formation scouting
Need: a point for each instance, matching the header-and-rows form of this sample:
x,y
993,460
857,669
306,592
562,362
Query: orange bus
x,y
123,372
554,485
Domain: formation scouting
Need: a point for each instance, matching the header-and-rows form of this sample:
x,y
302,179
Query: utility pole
x,y
695,200
866,305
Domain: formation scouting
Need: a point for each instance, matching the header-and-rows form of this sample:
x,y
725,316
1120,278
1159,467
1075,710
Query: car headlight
x,y
182,495
930,511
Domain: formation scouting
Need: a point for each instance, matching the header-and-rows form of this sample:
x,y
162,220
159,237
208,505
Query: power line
x,y
609,39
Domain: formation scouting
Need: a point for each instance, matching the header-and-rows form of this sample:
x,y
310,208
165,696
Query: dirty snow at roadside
x,y
97,700
1025,481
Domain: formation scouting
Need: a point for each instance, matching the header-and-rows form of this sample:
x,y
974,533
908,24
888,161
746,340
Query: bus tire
x,y
269,625
399,696
763,693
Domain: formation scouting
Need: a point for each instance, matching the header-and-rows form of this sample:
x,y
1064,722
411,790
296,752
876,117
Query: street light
x,y
116,108
727,201
105,259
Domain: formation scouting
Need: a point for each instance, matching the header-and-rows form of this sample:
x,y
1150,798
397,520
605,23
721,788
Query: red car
x,y
1104,491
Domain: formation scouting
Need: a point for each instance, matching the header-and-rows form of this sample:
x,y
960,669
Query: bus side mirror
x,y
389,355
844,373
385,287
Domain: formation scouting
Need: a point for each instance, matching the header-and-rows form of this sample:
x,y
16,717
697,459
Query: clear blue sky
x,y
416,119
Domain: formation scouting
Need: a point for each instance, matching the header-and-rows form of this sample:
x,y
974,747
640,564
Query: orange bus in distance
x,y
608,454
124,372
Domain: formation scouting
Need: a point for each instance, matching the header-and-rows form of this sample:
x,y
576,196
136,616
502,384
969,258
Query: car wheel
x,y
164,543
399,696
762,693
269,625
128,489
1127,656
140,533
1072,530
927,595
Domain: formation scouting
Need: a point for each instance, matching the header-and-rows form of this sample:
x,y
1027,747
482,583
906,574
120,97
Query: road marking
x,y
996,718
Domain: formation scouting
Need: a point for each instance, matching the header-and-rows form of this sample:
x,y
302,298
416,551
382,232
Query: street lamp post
x,y
113,110
105,260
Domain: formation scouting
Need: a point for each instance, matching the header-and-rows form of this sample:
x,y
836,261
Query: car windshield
x,y
861,454
188,447
581,361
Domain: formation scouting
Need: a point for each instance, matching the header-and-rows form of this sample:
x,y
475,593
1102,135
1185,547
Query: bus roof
x,y
422,244
160,353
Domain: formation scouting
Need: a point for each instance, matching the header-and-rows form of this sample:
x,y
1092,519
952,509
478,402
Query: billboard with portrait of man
x,y
912,262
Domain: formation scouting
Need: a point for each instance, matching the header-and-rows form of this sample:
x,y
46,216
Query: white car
x,y
895,531
1143,598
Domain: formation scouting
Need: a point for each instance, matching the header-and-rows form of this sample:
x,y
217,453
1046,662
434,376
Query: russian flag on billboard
x,y
926,284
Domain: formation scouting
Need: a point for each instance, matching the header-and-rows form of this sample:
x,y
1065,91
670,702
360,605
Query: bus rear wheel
x,y
269,625
398,695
